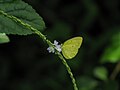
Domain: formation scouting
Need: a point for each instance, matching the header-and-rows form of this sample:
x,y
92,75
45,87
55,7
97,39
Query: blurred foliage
x,y
101,73
87,83
112,52
25,63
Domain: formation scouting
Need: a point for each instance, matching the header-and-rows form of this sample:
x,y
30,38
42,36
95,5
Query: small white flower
x,y
52,50
58,47
55,43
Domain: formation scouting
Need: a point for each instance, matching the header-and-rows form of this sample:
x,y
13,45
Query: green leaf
x,y
6,0
22,11
101,73
112,52
3,38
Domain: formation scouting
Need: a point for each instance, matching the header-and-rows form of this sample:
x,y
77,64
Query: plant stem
x,y
115,71
69,71
47,41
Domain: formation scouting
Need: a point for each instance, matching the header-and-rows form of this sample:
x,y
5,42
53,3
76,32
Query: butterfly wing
x,y
71,46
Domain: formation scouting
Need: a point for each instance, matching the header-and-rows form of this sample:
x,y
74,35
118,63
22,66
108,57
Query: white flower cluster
x,y
57,46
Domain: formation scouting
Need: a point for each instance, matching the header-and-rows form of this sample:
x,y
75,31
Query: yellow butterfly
x,y
70,47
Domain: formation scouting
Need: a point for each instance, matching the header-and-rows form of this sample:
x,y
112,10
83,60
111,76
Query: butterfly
x,y
70,47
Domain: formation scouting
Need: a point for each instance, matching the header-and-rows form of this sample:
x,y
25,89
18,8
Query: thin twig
x,y
115,71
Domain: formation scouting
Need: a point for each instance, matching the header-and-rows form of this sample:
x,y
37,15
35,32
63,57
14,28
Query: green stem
x,y
47,41
69,71
115,71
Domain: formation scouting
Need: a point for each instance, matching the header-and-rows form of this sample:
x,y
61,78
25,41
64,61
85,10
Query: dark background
x,y
25,64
